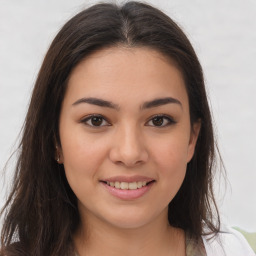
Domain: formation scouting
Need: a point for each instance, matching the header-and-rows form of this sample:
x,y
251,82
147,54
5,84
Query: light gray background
x,y
224,36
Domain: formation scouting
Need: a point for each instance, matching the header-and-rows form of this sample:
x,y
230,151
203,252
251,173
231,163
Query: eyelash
x,y
89,118
166,118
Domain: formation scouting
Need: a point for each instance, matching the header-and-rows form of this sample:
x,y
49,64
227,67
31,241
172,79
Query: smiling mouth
x,y
128,185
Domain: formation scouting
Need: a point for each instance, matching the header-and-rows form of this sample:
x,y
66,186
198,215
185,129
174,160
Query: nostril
x,y
128,156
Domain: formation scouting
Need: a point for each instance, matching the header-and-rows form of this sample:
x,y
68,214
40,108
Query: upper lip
x,y
135,178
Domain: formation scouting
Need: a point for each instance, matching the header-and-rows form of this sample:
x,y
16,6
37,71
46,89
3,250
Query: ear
x,y
195,129
58,151
59,155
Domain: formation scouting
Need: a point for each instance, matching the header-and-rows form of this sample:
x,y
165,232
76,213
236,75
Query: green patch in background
x,y
250,237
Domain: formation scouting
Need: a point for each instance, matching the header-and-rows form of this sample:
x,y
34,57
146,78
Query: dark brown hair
x,y
41,212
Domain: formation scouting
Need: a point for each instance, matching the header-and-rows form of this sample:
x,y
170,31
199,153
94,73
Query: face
x,y
126,136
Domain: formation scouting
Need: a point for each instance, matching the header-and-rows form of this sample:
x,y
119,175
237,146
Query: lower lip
x,y
128,194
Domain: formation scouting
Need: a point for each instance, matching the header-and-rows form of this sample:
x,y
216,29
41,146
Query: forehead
x,y
121,72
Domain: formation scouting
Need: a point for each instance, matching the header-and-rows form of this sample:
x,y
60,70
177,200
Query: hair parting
x,y
41,213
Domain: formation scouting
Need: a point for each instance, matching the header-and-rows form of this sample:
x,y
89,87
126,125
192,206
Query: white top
x,y
230,243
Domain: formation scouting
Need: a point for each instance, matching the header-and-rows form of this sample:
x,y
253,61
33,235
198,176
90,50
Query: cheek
x,y
82,156
170,158
82,163
173,166
171,154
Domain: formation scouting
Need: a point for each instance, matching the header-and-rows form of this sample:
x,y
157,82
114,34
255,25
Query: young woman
x,y
117,152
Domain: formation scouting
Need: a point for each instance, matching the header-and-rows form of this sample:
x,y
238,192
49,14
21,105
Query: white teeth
x,y
117,184
132,185
139,184
127,185
124,185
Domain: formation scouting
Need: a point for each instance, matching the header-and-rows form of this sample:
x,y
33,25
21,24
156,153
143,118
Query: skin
x,y
126,143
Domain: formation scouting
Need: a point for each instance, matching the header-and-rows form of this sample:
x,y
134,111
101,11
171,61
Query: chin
x,y
131,219
128,223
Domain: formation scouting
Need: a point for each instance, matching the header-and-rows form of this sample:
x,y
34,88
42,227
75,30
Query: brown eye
x,y
160,121
95,121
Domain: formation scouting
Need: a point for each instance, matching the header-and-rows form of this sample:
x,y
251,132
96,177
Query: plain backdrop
x,y
223,34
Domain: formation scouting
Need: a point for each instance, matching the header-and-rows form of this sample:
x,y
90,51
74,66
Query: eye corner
x,y
163,121
100,123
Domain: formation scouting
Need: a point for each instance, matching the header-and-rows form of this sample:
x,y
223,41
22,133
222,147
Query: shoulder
x,y
229,242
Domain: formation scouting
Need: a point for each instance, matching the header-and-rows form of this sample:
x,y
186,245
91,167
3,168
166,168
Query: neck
x,y
156,238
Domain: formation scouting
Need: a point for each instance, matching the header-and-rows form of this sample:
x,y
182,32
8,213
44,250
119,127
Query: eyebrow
x,y
108,104
159,102
97,102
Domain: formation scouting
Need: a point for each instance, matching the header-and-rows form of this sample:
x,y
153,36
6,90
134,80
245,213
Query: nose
x,y
128,148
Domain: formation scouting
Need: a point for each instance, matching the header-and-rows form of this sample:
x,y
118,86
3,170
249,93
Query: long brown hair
x,y
41,212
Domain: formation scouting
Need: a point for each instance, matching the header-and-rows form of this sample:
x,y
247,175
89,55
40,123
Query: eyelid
x,y
165,116
170,119
88,117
